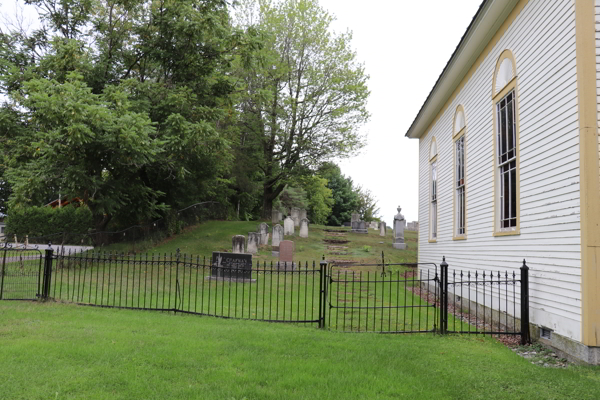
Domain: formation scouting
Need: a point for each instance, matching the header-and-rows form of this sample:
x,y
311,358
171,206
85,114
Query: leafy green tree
x,y
304,96
345,199
367,205
319,198
126,104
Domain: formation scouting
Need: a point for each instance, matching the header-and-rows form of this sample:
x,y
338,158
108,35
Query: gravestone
x,y
303,228
362,227
382,229
355,217
253,242
275,216
280,216
295,214
238,242
288,226
399,225
231,266
302,215
286,255
277,238
263,230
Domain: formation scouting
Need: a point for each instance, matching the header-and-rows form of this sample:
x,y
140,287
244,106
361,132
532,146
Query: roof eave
x,y
489,17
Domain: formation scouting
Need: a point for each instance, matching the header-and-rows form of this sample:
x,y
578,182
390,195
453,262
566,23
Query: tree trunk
x,y
268,198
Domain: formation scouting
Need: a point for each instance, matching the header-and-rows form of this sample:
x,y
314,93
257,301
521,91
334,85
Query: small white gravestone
x,y
238,242
263,230
277,236
288,226
382,229
303,228
253,242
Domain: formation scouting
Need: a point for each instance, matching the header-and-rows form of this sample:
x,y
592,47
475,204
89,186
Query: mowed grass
x,y
58,351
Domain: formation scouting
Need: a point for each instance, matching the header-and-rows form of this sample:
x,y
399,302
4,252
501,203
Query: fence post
x,y
444,296
322,292
525,337
177,254
2,272
47,272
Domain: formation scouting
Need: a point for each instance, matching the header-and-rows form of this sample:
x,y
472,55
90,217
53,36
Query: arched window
x,y
433,191
460,183
506,146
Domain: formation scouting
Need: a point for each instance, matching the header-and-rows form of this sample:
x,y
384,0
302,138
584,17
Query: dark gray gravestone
x,y
231,266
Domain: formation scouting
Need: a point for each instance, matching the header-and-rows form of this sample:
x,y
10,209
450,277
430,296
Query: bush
x,y
44,221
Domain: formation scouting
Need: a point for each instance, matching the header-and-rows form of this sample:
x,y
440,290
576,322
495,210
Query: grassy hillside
x,y
212,236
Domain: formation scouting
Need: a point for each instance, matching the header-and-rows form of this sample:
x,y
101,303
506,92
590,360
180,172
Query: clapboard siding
x,y
542,39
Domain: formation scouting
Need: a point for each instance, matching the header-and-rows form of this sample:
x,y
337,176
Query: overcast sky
x,y
404,46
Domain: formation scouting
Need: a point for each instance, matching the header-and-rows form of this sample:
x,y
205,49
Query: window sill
x,y
460,237
432,240
508,233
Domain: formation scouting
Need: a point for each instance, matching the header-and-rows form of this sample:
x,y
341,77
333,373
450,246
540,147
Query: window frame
x,y
497,97
457,136
433,216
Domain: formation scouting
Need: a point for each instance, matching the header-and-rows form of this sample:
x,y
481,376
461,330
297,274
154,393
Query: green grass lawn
x,y
60,351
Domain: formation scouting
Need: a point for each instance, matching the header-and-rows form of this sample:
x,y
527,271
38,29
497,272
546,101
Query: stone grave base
x,y
229,279
399,246
275,253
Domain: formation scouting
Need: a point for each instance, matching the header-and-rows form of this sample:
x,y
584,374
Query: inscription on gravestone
x,y
232,266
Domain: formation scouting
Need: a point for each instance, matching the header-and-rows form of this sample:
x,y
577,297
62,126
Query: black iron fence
x,y
385,298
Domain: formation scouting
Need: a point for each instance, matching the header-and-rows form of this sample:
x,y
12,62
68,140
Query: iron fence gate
x,y
386,301
20,273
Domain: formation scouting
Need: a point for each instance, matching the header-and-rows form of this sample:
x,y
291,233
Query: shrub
x,y
366,249
44,221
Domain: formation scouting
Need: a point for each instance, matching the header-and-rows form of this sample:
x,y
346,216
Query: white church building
x,y
509,165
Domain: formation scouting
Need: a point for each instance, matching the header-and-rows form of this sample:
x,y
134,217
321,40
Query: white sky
x,y
404,46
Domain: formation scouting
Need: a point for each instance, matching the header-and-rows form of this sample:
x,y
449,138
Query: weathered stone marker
x,y
355,217
286,254
303,228
362,227
399,224
275,216
288,226
231,266
263,230
302,214
277,238
253,242
238,243
295,214
382,228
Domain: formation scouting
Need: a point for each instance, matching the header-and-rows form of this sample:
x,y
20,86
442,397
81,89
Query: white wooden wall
x,y
542,39
598,72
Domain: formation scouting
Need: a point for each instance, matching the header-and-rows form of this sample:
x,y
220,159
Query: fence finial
x,y
49,244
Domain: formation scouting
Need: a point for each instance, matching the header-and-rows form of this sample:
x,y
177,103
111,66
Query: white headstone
x,y
288,226
274,216
382,228
263,229
253,242
277,236
238,242
303,228
295,214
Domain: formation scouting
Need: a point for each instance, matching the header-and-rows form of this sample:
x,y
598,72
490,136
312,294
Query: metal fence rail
x,y
180,283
